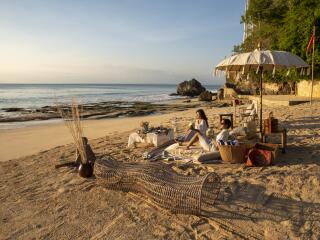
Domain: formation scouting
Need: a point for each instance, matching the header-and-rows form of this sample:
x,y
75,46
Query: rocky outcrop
x,y
205,96
13,109
190,88
229,93
251,86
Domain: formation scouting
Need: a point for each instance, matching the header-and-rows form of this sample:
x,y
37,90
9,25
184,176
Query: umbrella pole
x,y
261,133
312,76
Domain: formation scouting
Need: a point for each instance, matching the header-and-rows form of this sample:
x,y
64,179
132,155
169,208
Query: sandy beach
x,y
31,140
28,138
169,120
39,201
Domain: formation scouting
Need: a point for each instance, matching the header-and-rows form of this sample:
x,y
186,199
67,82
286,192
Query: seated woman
x,y
200,126
211,146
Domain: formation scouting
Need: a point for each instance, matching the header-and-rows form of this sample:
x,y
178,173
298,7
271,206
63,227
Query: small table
x,y
158,139
226,115
283,135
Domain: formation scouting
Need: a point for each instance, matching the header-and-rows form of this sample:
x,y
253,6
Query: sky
x,y
116,41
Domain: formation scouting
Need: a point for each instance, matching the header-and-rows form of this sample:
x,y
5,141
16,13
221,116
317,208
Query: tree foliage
x,y
282,25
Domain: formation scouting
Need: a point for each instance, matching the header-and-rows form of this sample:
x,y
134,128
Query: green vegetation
x,y
283,25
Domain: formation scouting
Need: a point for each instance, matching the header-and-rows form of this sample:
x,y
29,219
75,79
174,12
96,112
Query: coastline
x,y
30,102
94,111
28,138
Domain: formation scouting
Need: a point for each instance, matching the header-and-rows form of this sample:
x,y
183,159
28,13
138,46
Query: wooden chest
x,y
270,125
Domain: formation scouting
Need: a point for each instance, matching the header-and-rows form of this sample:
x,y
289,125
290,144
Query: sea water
x,y
39,95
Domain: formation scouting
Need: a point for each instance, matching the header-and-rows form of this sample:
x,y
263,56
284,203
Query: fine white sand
x,y
38,201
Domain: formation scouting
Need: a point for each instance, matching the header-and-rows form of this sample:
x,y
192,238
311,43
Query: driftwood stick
x,y
67,164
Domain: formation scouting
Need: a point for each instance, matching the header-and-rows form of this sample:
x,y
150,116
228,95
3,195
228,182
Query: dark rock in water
x,y
101,110
190,88
13,109
173,94
205,96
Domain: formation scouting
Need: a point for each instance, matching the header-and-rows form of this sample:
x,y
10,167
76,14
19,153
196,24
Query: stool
x,y
227,115
282,133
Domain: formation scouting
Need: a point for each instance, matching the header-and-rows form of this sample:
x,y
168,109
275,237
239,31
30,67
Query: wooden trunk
x,y
270,125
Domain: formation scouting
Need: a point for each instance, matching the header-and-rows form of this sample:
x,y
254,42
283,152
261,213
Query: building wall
x,y
271,88
304,89
229,93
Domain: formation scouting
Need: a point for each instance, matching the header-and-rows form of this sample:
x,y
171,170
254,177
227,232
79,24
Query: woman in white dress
x,y
200,127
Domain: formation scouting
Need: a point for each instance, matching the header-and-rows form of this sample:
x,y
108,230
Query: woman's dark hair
x,y
203,116
227,123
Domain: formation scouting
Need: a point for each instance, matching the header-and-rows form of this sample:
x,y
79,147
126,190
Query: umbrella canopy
x,y
260,61
268,60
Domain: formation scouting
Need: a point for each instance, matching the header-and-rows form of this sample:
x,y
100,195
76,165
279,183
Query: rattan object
x,y
157,181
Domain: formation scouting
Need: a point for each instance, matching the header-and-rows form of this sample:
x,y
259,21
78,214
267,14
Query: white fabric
x,y
249,108
251,111
252,115
158,139
134,138
172,147
204,143
269,60
180,151
223,135
238,131
202,126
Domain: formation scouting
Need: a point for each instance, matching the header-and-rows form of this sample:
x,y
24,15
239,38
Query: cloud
x,y
106,73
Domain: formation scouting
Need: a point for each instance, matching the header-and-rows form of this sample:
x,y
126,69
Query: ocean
x,y
39,95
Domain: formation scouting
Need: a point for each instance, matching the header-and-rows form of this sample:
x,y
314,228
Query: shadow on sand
x,y
240,208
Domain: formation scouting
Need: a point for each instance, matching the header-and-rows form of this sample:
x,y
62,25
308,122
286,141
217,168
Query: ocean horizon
x,y
35,95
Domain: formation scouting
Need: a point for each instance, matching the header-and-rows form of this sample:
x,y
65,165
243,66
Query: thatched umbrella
x,y
261,61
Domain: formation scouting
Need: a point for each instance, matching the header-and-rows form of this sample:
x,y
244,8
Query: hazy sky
x,y
116,41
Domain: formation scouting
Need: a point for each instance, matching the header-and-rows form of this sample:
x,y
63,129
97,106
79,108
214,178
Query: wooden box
x,y
270,125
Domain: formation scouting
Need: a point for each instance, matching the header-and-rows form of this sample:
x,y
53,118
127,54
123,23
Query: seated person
x,y
208,145
200,126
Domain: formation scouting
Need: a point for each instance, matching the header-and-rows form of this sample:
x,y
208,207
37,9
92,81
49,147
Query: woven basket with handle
x,y
233,154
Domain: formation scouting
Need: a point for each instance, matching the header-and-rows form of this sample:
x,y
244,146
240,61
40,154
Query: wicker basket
x,y
233,154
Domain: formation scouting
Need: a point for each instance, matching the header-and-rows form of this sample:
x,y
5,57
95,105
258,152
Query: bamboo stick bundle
x,y
72,119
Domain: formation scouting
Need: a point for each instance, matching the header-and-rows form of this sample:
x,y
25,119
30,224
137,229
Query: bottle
x,y
174,127
270,115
